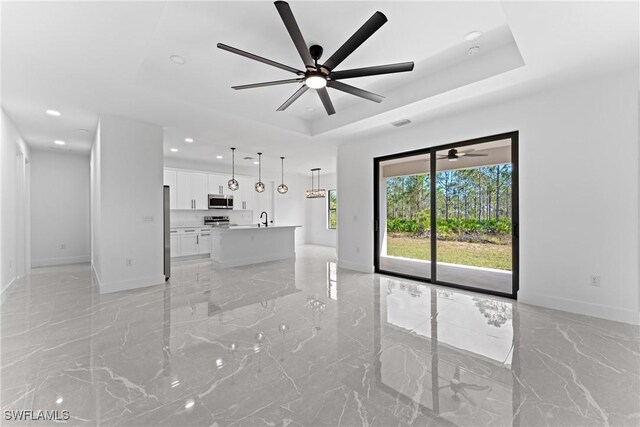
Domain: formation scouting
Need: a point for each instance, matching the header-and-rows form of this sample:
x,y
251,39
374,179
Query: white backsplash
x,y
192,217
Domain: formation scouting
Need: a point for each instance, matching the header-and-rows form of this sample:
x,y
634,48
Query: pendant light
x,y
282,188
259,185
315,193
233,184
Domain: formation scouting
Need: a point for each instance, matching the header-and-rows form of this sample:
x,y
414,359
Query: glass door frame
x,y
515,212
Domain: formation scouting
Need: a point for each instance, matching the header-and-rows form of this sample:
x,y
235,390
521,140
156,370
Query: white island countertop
x,y
243,245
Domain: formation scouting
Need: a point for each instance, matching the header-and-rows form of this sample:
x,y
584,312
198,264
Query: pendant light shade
x,y
233,184
282,188
259,185
315,193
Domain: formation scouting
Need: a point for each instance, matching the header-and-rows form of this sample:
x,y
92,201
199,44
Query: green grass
x,y
474,254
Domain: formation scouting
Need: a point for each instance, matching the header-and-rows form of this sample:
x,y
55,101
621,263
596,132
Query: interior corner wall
x,y
59,208
316,211
14,226
578,190
127,205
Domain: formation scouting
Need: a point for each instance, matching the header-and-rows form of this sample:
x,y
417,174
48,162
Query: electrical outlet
x,y
595,281
129,262
147,219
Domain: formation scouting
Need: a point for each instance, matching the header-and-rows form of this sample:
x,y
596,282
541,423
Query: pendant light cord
x,y
233,163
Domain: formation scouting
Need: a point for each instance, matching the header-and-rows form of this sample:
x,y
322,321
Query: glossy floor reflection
x,y
305,343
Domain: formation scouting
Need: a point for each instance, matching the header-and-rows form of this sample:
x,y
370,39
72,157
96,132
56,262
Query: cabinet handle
x,y
244,205
220,189
197,240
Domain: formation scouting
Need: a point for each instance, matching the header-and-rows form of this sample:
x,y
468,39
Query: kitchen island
x,y
244,245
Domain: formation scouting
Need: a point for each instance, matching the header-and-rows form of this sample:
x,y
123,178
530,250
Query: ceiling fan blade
x,y
355,91
475,155
259,58
294,31
293,97
371,26
273,83
326,101
372,71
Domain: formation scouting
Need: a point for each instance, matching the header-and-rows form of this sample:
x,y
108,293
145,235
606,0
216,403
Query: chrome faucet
x,y
266,217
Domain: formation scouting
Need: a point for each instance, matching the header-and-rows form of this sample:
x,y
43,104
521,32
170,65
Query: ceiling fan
x,y
453,155
317,76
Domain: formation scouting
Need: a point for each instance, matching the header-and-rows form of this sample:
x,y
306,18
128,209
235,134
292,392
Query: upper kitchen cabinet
x,y
218,185
192,190
170,180
245,197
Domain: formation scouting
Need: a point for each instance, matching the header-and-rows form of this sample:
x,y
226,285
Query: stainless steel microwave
x,y
220,201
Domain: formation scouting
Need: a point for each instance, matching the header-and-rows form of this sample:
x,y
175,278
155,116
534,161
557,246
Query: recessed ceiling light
x,y
58,142
256,163
310,109
178,59
53,113
189,140
189,404
59,400
174,150
474,50
218,157
473,35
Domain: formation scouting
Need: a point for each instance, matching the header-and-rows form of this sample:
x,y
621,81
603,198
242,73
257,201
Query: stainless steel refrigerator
x,y
167,239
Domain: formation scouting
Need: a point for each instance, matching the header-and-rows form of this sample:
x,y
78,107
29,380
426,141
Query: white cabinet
x,y
191,190
170,180
174,239
215,184
246,194
189,242
204,241
218,185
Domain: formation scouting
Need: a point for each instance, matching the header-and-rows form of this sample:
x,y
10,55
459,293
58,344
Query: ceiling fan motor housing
x,y
316,52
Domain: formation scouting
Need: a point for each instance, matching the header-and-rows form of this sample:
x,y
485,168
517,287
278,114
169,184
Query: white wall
x,y
578,190
59,208
14,189
127,180
317,232
289,208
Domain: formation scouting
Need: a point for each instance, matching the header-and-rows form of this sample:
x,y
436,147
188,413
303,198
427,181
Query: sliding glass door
x,y
470,237
405,198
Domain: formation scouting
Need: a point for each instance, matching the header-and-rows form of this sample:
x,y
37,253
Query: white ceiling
x,y
91,58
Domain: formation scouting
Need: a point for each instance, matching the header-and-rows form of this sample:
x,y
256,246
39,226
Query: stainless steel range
x,y
216,221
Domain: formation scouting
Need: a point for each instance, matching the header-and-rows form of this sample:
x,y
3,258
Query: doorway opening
x,y
449,214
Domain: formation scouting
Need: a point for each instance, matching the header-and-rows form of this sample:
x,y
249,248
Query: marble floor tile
x,y
304,343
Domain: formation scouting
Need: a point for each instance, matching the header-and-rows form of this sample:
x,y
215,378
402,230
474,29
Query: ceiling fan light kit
x,y
315,193
319,77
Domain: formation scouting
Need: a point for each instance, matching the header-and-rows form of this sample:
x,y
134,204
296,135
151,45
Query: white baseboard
x,y
46,262
126,285
7,289
355,266
580,307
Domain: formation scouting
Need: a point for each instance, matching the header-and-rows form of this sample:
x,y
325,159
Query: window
x,y
332,216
